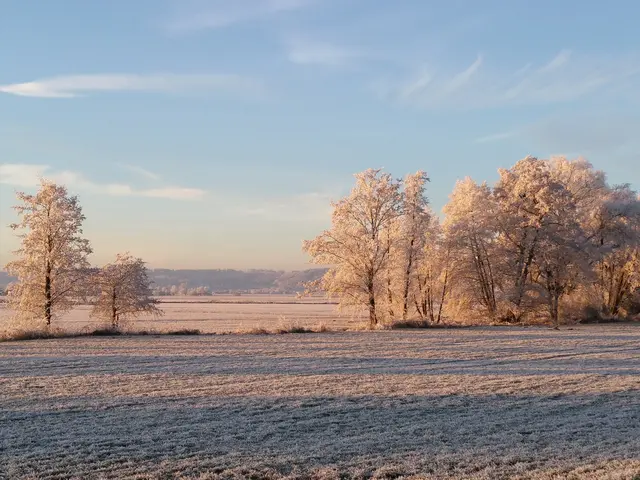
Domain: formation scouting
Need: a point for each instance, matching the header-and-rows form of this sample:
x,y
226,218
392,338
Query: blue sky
x,y
214,133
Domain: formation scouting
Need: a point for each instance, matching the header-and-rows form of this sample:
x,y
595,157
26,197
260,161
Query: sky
x,y
215,133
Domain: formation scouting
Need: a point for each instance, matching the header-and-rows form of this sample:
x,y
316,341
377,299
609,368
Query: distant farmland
x,y
220,313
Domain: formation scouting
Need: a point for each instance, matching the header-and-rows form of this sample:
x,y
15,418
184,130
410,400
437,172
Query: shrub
x,y
292,328
253,331
20,334
185,331
322,328
105,332
399,324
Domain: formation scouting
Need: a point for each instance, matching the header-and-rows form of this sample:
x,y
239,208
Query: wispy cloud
x,y
143,172
27,175
566,77
305,52
495,137
222,13
310,206
76,85
463,78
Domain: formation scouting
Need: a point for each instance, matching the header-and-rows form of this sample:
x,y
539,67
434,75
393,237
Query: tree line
x,y
52,268
550,240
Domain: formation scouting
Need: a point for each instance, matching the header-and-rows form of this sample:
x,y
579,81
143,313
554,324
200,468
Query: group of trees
x,y
180,290
53,270
550,239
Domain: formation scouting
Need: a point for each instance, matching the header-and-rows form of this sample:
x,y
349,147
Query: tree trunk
x,y
621,286
523,272
444,294
114,310
390,299
373,320
47,294
553,291
553,310
407,281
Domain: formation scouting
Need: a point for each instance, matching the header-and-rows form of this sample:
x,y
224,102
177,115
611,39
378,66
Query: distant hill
x,y
273,281
5,279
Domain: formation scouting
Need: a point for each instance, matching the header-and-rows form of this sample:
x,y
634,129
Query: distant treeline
x,y
206,282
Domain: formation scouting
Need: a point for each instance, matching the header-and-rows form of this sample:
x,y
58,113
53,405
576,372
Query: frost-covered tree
x,y
356,246
431,285
542,208
470,229
615,230
414,228
561,262
550,234
124,291
52,260
526,196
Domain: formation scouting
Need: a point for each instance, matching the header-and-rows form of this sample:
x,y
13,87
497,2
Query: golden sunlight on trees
x,y
51,264
52,268
551,240
124,291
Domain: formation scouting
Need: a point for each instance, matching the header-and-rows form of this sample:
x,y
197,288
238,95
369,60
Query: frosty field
x,y
223,313
474,403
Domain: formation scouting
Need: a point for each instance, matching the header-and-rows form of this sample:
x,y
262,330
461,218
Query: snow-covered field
x,y
474,403
220,313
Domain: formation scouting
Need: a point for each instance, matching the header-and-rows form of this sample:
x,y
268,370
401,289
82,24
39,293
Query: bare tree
x,y
52,261
124,291
433,270
550,234
470,230
414,226
355,245
614,228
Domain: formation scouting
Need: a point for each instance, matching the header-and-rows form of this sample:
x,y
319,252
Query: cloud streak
x,y
495,137
304,52
143,172
223,13
27,175
565,78
310,206
77,85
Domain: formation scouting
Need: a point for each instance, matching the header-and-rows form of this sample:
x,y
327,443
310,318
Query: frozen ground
x,y
476,403
220,313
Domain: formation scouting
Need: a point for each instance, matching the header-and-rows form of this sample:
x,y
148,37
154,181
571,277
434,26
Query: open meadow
x,y
218,314
482,402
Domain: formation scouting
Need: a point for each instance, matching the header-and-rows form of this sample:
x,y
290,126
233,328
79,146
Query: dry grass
x,y
281,329
477,403
13,335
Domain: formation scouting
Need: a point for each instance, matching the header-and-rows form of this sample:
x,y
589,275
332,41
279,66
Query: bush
x,y
322,328
591,314
253,331
399,324
41,334
185,331
292,328
105,332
